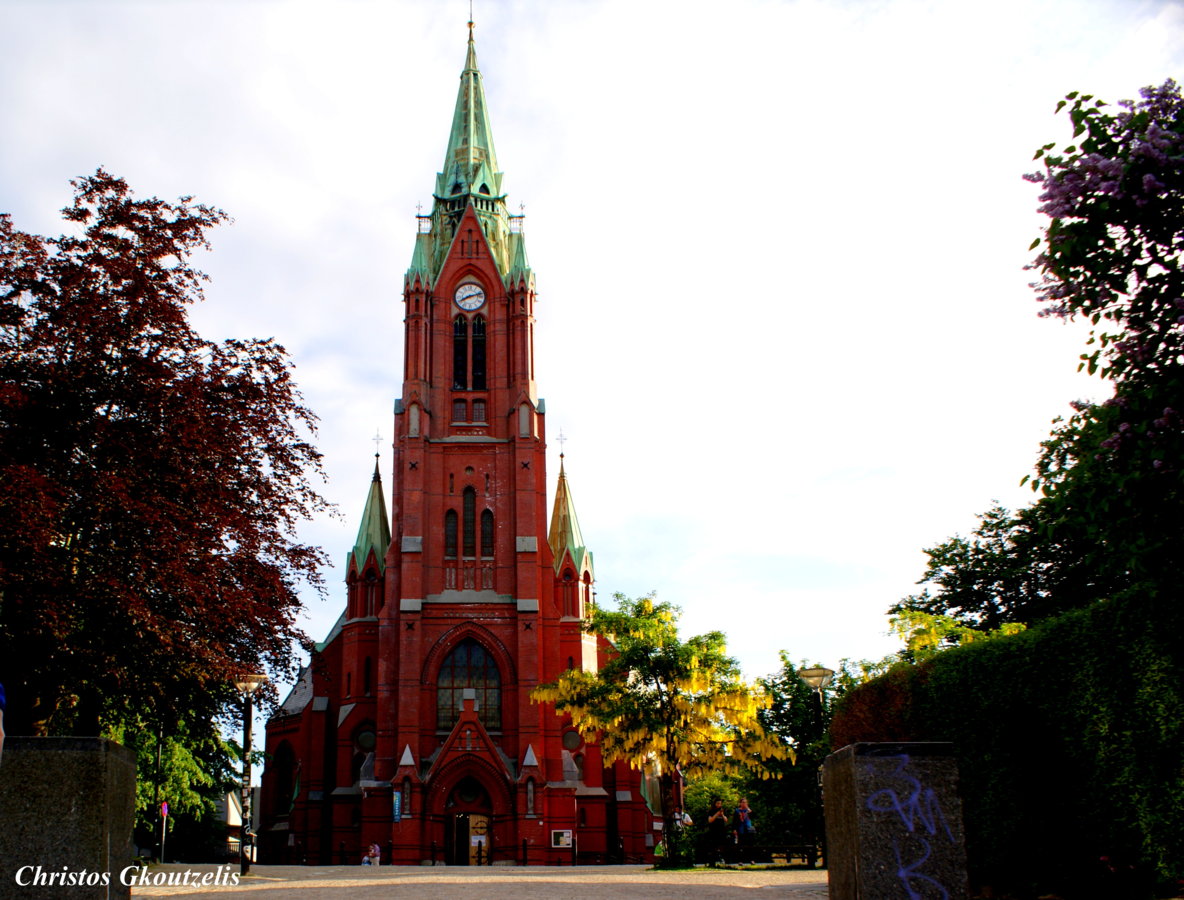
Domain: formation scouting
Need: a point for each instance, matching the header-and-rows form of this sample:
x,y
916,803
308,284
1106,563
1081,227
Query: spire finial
x,y
562,440
377,440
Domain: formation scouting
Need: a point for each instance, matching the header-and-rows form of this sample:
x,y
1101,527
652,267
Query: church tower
x,y
419,700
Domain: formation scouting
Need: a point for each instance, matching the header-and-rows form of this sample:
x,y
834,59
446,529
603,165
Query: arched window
x,y
460,354
450,534
469,665
469,513
487,534
478,353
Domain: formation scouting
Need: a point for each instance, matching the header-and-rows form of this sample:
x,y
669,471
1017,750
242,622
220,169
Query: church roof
x,y
565,535
375,531
470,163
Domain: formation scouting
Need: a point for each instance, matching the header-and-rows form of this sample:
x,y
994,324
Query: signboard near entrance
x,y
561,838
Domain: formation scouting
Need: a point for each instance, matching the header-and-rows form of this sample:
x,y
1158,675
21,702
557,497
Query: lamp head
x,y
817,678
248,684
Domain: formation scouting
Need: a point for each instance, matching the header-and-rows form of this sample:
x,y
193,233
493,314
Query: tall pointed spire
x,y
565,535
469,178
470,162
374,533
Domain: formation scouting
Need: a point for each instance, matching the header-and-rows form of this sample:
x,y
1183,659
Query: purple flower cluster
x,y
1067,189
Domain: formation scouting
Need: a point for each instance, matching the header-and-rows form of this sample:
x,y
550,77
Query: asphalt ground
x,y
489,882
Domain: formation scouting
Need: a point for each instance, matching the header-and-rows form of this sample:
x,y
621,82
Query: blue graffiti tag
x,y
920,804
914,805
908,874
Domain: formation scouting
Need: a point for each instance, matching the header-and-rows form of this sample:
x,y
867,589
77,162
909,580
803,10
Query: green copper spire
x,y
469,178
565,535
419,260
375,531
470,162
519,265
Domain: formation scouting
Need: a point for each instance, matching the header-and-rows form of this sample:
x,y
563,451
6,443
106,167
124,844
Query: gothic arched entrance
x,y
468,824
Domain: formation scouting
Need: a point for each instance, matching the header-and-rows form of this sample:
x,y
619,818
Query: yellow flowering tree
x,y
657,697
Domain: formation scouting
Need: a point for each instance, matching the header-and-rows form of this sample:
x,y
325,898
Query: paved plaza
x,y
493,883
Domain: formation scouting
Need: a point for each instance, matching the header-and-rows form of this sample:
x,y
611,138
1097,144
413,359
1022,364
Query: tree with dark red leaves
x,y
150,480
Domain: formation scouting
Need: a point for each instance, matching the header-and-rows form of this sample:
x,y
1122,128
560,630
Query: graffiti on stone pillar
x,y
916,813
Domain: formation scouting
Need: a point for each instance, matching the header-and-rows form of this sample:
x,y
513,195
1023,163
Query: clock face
x,y
470,296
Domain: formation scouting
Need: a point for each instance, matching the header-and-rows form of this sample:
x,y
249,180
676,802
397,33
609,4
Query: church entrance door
x,y
478,839
468,829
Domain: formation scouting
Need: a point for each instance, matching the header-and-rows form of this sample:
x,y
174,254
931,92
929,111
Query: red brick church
x,y
412,726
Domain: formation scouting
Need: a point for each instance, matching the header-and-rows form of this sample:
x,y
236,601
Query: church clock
x,y
469,297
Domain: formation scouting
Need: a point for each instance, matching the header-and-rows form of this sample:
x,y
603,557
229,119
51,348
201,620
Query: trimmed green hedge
x,y
1070,743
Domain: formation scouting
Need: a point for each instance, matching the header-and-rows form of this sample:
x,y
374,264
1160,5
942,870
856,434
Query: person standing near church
x,y
717,832
744,828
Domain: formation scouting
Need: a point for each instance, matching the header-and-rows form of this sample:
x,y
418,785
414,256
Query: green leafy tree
x,y
790,805
986,579
191,769
150,480
659,697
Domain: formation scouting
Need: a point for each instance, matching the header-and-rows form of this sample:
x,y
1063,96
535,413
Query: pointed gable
x,y
469,743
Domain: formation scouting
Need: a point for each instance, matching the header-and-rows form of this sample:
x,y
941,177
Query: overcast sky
x,y
783,319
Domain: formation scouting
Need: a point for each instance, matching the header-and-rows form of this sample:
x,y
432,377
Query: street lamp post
x,y
247,685
817,679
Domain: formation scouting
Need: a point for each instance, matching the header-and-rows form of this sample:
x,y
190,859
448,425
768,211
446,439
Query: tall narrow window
x,y
479,353
487,534
450,534
371,593
460,354
469,513
367,674
469,665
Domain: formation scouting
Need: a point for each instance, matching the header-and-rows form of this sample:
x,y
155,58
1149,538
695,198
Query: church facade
x,y
412,727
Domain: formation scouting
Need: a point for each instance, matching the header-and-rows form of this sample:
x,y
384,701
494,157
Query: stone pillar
x,y
894,823
67,807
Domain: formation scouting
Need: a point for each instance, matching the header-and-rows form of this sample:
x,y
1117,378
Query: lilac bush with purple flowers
x,y
1112,251
1108,521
